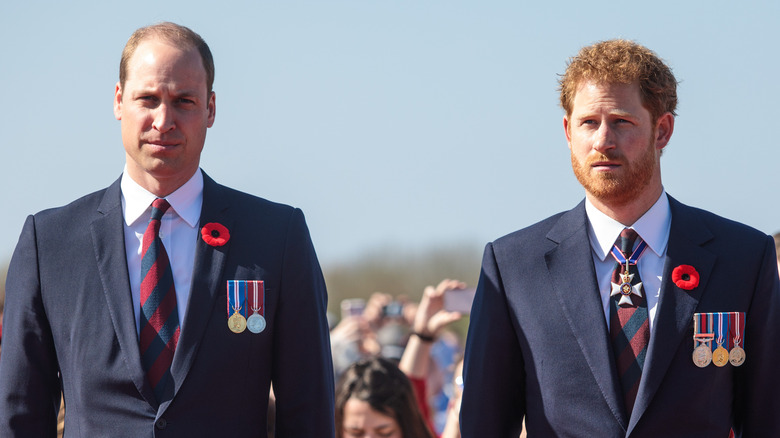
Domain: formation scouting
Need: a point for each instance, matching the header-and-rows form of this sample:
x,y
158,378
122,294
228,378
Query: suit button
x,y
161,423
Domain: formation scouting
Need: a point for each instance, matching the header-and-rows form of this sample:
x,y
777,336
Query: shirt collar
x,y
186,201
653,227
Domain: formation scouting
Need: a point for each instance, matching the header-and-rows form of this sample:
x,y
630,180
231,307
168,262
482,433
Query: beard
x,y
617,188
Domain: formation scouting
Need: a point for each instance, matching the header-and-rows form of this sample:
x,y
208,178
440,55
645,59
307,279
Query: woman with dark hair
x,y
375,399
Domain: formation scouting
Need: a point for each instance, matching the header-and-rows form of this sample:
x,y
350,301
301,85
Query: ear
x,y
566,130
664,128
118,102
211,106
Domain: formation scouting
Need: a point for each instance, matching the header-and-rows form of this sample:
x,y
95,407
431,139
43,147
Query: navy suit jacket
x,y
69,324
538,346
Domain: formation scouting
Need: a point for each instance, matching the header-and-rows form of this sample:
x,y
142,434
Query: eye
x,y
623,119
186,101
147,99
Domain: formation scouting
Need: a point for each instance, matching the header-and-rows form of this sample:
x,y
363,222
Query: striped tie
x,y
159,315
629,324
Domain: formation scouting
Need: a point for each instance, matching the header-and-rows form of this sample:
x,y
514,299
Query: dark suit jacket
x,y
69,311
538,345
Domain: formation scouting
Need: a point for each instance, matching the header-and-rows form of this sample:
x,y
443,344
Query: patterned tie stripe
x,y
629,325
159,314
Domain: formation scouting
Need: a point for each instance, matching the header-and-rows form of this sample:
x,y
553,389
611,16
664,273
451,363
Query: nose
x,y
163,118
604,138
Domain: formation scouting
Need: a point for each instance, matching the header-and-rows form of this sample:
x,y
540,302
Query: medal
x,y
236,305
625,289
720,357
702,355
702,342
256,322
737,354
237,322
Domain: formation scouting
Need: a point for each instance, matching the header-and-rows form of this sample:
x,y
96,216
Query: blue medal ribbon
x,y
236,295
721,323
618,254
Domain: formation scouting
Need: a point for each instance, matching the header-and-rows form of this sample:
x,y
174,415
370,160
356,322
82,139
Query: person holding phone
x,y
429,321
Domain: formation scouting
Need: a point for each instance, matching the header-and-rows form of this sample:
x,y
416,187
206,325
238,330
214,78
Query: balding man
x,y
166,304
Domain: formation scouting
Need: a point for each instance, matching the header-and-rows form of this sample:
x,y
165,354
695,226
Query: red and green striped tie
x,y
629,324
159,314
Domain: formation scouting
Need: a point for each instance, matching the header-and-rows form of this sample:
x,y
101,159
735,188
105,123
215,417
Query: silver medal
x,y
255,323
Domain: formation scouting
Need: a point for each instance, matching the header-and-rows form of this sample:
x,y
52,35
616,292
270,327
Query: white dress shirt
x,y
178,232
653,227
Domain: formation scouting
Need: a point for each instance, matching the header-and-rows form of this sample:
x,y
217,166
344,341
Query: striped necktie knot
x,y
159,207
626,240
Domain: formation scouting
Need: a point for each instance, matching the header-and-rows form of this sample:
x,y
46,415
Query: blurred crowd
x,y
397,366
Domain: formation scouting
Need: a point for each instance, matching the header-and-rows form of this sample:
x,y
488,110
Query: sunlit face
x,y
360,421
165,109
615,146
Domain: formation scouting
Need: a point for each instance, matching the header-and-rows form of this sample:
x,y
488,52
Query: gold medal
x,y
237,322
720,357
737,356
236,300
702,355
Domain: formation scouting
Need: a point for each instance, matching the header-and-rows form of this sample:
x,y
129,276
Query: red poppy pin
x,y
215,234
685,277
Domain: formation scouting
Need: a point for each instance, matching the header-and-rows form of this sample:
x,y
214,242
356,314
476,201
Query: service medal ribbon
x,y
618,254
702,339
236,305
736,335
720,356
256,322
717,338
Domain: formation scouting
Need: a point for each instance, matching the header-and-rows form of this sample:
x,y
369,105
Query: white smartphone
x,y
459,300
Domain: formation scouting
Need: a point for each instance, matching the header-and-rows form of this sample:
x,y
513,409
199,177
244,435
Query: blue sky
x,y
402,124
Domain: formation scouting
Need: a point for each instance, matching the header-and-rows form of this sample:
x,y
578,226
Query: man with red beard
x,y
631,315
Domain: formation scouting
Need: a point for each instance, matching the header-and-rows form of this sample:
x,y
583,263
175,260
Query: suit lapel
x,y
570,264
675,306
206,275
109,243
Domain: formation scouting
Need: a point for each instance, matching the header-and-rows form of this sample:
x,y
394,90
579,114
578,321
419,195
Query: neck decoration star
x,y
625,289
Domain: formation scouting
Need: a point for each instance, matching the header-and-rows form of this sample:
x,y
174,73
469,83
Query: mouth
x,y
605,165
162,143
